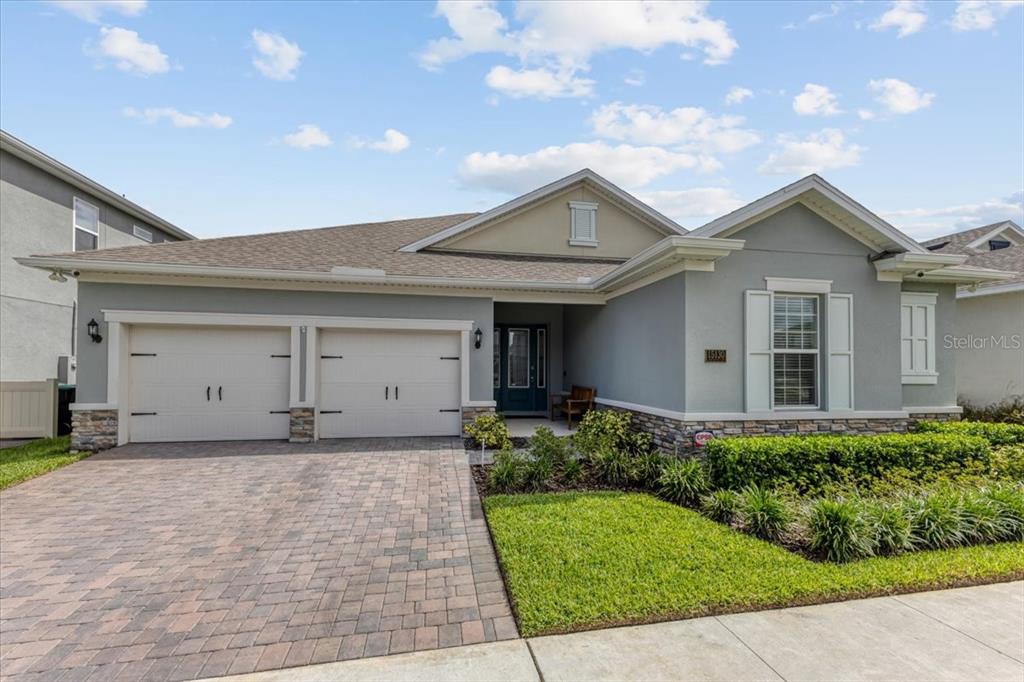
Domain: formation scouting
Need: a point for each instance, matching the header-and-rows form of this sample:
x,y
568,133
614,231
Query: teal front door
x,y
521,368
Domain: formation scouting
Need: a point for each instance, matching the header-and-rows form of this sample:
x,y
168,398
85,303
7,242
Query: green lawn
x,y
581,560
33,459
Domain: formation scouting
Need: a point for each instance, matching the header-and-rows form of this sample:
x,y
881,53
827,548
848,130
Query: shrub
x,y
647,468
764,513
506,476
811,463
547,446
491,431
984,520
890,527
721,505
995,433
1008,462
839,529
683,481
612,467
1009,500
1010,410
537,472
602,430
936,520
572,470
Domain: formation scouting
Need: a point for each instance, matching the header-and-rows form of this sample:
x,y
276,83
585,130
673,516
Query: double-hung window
x,y
795,351
87,225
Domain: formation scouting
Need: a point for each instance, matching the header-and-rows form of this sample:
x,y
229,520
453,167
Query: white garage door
x,y
200,383
389,384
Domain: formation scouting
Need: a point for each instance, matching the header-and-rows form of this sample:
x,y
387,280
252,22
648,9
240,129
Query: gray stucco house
x,y
988,339
802,311
46,207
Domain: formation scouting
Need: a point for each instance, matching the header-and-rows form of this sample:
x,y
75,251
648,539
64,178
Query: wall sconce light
x,y
478,338
93,328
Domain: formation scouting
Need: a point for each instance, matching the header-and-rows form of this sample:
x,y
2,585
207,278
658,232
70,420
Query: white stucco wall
x,y
989,348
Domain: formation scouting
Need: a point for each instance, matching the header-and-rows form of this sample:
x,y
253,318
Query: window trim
x,y
147,235
929,300
75,201
496,342
575,206
541,379
796,351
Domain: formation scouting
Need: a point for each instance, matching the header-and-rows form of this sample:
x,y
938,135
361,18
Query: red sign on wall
x,y
702,437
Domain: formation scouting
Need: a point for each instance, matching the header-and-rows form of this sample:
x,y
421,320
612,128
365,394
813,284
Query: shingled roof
x,y
1008,259
372,246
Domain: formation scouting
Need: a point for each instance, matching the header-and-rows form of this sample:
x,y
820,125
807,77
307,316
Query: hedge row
x,y
810,463
994,432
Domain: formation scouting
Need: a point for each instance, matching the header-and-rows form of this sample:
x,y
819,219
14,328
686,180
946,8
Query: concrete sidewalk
x,y
974,633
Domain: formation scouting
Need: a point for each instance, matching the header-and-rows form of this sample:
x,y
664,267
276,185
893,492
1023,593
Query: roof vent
x,y
996,244
939,246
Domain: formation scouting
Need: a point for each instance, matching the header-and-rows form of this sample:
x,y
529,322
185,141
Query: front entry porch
x,y
524,427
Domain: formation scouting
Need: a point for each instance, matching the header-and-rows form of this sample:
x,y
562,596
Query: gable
x,y
798,229
544,228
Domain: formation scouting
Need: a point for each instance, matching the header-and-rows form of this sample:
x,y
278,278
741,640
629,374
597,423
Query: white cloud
x,y
816,100
924,223
635,77
900,97
540,83
981,15
179,119
816,152
564,36
93,10
308,136
691,128
833,9
130,53
622,164
392,142
736,95
907,16
865,114
278,59
695,206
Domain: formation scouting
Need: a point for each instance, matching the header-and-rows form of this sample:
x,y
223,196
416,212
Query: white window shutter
x,y
917,337
840,352
758,339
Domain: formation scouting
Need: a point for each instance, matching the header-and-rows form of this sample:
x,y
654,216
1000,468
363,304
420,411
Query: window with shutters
x,y
917,337
794,351
583,219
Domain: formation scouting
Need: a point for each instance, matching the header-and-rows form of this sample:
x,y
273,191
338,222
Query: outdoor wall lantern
x,y
94,330
478,338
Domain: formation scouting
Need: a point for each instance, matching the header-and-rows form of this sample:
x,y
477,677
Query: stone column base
x,y
302,426
471,413
93,430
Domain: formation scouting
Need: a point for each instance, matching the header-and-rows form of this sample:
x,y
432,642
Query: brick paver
x,y
185,560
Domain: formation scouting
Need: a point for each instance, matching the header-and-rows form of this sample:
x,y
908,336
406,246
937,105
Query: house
x,y
47,207
988,338
802,311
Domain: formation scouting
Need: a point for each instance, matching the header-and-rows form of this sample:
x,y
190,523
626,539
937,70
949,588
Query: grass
x,y
33,459
575,561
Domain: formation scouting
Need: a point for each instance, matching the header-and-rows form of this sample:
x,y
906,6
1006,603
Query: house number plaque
x,y
714,355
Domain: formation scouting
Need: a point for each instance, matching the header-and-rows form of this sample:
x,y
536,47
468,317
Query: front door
x,y
521,368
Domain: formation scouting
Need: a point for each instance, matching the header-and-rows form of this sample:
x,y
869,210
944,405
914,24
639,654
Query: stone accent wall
x,y
471,413
93,430
302,425
673,435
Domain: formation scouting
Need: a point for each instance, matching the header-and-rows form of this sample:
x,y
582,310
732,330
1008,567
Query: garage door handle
x,y
280,412
207,394
454,410
396,392
143,414
386,389
220,393
330,411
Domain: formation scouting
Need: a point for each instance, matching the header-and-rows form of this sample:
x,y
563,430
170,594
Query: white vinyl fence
x,y
28,409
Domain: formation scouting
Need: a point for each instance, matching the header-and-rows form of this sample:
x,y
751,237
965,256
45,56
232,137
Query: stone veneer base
x,y
677,436
302,425
93,430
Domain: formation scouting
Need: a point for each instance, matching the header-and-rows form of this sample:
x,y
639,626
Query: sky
x,y
235,118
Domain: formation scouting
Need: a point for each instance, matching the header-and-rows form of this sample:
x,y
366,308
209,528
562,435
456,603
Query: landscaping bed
x,y
753,523
35,458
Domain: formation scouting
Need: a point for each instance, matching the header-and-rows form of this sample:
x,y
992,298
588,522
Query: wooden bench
x,y
579,401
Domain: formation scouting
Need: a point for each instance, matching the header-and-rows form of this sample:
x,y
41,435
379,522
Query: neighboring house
x,y
46,207
988,340
784,315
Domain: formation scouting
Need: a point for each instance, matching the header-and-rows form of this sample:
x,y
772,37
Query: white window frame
x,y
795,351
928,301
143,233
574,207
75,201
508,352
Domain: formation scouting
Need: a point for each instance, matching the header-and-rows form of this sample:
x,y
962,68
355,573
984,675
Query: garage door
x,y
389,384
198,383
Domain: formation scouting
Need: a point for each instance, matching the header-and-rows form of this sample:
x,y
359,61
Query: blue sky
x,y
229,118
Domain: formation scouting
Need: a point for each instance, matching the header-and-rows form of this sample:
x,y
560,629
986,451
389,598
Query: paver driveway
x,y
178,561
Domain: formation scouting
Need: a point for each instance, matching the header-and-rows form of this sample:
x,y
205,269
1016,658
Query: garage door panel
x,y
209,384
375,423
